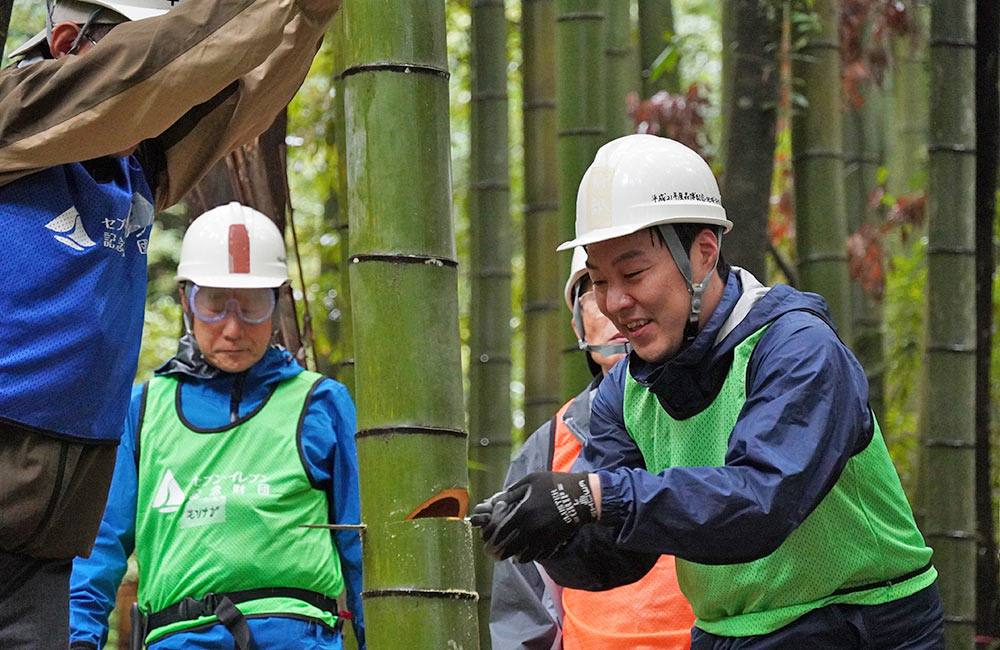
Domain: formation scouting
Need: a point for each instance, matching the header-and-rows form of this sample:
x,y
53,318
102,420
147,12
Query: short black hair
x,y
686,233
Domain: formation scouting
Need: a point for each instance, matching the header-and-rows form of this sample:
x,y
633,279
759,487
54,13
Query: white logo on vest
x,y
169,496
70,227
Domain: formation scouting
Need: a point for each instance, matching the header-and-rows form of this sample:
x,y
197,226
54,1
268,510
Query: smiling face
x,y
640,289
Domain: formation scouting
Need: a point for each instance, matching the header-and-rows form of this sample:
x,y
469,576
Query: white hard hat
x,y
577,269
233,246
638,181
83,11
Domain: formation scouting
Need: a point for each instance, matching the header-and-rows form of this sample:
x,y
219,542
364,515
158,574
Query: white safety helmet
x,y
84,12
578,269
233,246
638,181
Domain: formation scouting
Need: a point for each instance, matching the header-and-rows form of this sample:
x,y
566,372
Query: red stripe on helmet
x,y
239,249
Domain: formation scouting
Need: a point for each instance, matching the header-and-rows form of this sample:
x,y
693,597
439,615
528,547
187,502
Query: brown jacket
x,y
190,86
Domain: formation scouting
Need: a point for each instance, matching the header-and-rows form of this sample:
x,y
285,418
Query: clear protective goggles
x,y
212,304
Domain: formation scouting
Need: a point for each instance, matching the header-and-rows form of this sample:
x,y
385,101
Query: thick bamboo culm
x,y
490,274
580,95
818,163
947,410
412,446
544,320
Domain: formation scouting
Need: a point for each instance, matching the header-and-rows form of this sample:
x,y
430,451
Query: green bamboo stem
x,y
345,369
821,220
749,108
863,154
620,68
908,156
419,580
490,234
580,88
544,320
656,18
948,409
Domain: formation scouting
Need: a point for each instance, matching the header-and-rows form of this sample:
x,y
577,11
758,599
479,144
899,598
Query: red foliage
x,y
679,117
888,19
866,256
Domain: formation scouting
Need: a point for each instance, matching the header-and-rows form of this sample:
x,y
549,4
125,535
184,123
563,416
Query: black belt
x,y
223,607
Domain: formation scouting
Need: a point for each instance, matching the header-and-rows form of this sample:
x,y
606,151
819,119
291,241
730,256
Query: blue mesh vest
x,y
73,298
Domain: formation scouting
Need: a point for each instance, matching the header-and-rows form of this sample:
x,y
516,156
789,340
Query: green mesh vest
x,y
218,510
860,545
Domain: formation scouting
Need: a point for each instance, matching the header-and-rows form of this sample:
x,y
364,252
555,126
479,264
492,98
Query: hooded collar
x,y
276,364
690,381
577,416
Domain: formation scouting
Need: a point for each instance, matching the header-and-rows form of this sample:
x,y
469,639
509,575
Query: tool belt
x,y
223,607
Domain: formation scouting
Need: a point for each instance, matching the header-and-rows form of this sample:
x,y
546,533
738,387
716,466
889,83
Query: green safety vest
x,y
860,545
218,510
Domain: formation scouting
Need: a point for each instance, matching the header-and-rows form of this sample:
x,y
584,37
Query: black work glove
x,y
536,515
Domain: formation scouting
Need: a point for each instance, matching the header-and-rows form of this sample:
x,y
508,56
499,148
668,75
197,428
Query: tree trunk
x,y
490,248
656,18
6,6
544,323
987,127
580,89
412,445
863,149
750,104
947,414
620,68
821,222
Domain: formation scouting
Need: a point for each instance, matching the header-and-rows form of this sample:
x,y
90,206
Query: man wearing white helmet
x,y
225,453
737,437
113,111
527,609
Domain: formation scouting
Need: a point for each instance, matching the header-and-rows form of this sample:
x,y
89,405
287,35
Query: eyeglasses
x,y
212,304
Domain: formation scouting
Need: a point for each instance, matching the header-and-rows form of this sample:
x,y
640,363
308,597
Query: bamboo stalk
x,y
490,234
419,579
580,88
821,221
543,316
947,415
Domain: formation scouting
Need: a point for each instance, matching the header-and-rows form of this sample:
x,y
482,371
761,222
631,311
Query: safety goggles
x,y
212,304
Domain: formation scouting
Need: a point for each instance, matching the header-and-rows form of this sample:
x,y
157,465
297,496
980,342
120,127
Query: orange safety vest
x,y
651,614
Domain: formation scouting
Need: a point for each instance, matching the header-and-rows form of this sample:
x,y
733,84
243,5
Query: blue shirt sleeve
x,y
95,579
806,414
327,441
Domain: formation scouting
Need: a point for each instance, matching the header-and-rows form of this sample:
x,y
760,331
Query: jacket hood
x,y
276,364
577,416
688,382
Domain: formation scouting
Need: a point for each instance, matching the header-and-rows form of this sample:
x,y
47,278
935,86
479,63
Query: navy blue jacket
x,y
806,413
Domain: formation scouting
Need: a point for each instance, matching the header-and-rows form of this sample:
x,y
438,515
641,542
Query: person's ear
x,y
704,251
63,37
184,299
572,322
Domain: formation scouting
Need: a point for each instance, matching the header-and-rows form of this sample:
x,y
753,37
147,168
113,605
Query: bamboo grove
x,y
433,161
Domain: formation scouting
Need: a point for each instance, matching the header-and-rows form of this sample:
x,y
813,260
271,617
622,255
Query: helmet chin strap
x,y
683,263
605,350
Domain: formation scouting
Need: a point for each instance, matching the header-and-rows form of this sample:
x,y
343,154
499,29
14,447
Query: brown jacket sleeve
x,y
201,80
